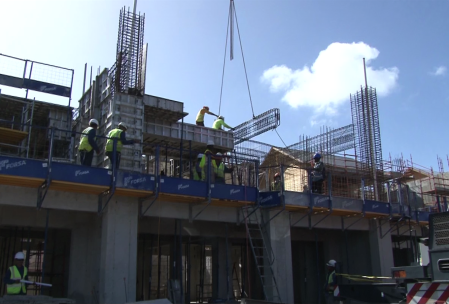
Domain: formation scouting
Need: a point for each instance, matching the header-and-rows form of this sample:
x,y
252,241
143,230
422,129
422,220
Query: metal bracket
x,y
391,227
362,214
155,194
108,194
209,193
329,182
43,188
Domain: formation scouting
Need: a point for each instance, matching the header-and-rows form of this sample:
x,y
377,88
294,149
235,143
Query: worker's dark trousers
x,y
317,186
86,157
117,159
200,123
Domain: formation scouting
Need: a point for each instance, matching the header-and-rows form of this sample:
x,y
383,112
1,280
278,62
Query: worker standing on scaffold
x,y
118,133
16,273
276,185
88,144
318,174
200,116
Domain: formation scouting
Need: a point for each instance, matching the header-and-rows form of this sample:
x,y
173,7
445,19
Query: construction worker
x,y
276,185
220,169
197,170
331,283
119,133
203,163
88,144
219,124
318,174
16,273
200,116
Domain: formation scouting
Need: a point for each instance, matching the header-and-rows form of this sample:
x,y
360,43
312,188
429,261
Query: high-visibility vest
x,y
84,142
220,170
197,172
114,133
276,186
200,116
203,164
330,281
14,289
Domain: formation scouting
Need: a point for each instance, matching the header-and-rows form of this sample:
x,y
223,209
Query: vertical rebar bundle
x,y
126,74
368,148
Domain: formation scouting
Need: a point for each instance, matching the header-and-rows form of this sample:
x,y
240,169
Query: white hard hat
x,y
93,121
331,263
221,117
121,124
19,256
219,154
210,142
200,155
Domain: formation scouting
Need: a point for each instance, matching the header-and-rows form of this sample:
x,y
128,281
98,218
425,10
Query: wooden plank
x,y
20,181
12,137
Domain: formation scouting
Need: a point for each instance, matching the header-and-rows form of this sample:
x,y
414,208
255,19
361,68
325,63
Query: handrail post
x,y
43,189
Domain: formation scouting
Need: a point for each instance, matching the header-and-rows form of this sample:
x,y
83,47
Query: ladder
x,y
263,256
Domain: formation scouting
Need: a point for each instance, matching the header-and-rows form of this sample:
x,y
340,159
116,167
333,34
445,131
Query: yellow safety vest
x,y
14,289
276,186
203,164
219,170
330,281
200,116
84,142
114,133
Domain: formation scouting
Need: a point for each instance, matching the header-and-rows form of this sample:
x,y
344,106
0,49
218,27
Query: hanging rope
x,y
280,138
224,59
230,28
243,57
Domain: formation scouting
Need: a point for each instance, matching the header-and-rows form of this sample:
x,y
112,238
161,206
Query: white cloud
x,y
440,71
336,73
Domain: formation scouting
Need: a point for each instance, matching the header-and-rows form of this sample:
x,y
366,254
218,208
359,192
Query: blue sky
x,y
303,57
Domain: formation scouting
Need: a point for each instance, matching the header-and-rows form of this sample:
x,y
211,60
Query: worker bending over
x,y
220,169
16,273
119,133
88,143
219,124
200,116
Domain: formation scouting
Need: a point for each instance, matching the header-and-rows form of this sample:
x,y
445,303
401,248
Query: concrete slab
x,y
158,301
34,300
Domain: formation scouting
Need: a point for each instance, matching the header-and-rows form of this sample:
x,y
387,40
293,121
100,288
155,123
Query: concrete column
x,y
279,233
118,262
381,249
84,263
224,263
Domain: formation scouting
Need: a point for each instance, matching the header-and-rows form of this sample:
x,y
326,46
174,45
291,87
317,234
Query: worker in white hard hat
x,y
118,133
16,273
331,282
219,124
220,168
88,143
210,150
200,116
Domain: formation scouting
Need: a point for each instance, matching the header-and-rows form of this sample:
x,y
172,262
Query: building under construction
x,y
149,230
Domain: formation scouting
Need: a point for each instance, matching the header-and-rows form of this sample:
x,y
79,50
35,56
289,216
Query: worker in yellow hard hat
x,y
200,116
219,124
